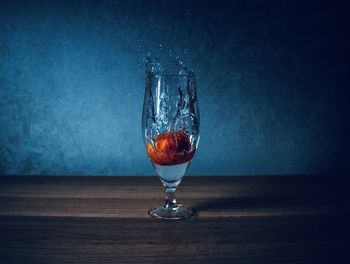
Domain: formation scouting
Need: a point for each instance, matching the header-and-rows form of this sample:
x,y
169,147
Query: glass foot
x,y
171,213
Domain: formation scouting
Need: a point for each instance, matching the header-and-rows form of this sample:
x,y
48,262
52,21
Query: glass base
x,y
170,213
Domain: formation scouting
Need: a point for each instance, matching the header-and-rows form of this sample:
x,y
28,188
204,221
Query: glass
x,y
170,126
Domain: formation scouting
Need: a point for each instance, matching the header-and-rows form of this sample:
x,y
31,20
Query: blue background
x,y
271,80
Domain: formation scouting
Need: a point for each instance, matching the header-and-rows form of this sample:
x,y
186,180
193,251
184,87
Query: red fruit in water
x,y
170,149
183,142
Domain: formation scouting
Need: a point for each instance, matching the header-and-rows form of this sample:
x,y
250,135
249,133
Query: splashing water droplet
x,y
165,65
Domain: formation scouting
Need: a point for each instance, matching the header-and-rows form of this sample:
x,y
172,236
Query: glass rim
x,y
170,75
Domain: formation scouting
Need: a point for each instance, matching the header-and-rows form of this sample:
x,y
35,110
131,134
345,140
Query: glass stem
x,y
170,201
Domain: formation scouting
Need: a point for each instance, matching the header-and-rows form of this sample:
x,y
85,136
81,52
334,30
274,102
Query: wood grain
x,y
250,219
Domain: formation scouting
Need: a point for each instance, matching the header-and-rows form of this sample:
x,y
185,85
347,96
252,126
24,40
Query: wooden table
x,y
247,219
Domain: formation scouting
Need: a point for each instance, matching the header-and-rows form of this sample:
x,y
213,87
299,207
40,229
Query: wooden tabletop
x,y
241,219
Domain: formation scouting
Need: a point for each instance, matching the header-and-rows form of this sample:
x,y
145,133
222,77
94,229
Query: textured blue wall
x,y
269,84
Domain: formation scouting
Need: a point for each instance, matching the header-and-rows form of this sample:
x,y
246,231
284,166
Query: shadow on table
x,y
258,203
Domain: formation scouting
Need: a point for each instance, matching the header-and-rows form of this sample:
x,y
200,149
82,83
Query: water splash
x,y
166,65
171,98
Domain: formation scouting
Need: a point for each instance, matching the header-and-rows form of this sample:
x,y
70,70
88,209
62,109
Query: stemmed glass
x,y
170,126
